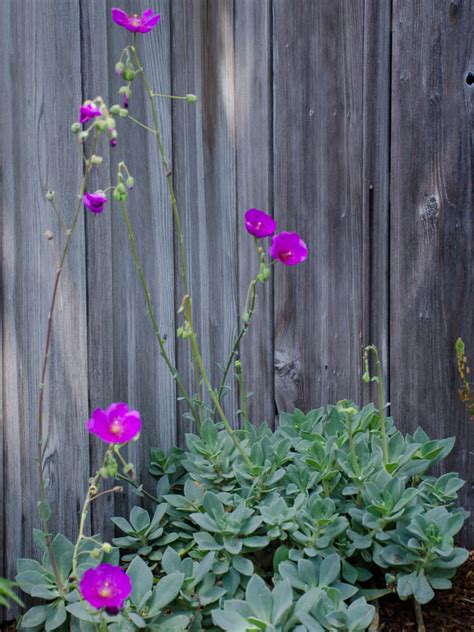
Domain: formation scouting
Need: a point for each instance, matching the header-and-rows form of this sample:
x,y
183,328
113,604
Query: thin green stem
x,y
379,380
176,215
59,216
168,96
153,318
136,484
140,124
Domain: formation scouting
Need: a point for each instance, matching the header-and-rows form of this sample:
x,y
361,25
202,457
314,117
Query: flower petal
x,y
119,16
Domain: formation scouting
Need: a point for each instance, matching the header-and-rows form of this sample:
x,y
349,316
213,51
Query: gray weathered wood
x,y
431,267
376,184
41,89
253,103
318,97
140,376
204,173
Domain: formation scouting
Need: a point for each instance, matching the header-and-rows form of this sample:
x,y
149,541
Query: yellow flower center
x,y
106,590
116,426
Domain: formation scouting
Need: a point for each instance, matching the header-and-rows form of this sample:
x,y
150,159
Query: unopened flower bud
x,y
110,123
96,160
191,98
115,109
130,182
50,195
123,112
125,90
75,128
107,548
48,235
238,366
93,489
129,74
128,468
83,136
120,192
101,125
119,67
95,553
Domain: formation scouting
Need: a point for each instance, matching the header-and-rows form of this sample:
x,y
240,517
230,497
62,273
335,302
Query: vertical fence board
x,y
253,58
41,98
318,54
140,376
204,173
376,183
432,272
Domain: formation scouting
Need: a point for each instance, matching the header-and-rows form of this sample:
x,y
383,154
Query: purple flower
x,y
288,248
95,201
88,111
259,223
106,586
136,23
115,424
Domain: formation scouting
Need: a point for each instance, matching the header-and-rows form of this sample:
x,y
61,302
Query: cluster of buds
x,y
464,392
95,110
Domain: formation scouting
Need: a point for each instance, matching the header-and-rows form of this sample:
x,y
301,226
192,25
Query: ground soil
x,y
451,611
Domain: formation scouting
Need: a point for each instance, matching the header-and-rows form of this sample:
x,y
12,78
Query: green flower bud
x,y
96,160
110,123
123,112
115,109
83,136
119,67
128,468
129,74
50,195
191,98
185,331
130,182
101,125
75,128
125,90
95,553
107,548
120,192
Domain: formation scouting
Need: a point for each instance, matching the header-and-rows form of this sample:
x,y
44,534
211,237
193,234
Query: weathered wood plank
x,y
432,271
41,98
140,376
376,183
94,19
253,102
318,96
204,173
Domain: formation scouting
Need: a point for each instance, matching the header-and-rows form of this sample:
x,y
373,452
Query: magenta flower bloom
x,y
115,424
136,23
106,586
95,201
259,224
288,248
88,111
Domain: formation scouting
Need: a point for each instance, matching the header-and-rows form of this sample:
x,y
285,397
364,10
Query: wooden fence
x,y
349,119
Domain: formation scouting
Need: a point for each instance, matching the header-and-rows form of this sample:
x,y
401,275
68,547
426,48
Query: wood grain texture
x,y
253,106
317,105
432,273
41,98
204,173
140,376
376,184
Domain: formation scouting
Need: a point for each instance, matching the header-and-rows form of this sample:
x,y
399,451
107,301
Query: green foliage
x,y
7,594
322,523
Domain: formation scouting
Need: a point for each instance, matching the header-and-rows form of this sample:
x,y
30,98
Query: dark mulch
x,y
451,611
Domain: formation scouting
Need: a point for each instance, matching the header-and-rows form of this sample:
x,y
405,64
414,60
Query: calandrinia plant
x,y
251,529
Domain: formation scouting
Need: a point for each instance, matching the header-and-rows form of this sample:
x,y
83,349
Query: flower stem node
x,y
76,128
50,195
120,192
191,98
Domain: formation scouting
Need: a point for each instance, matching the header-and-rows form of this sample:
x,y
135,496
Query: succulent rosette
x,y
259,224
115,424
136,23
106,587
288,248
